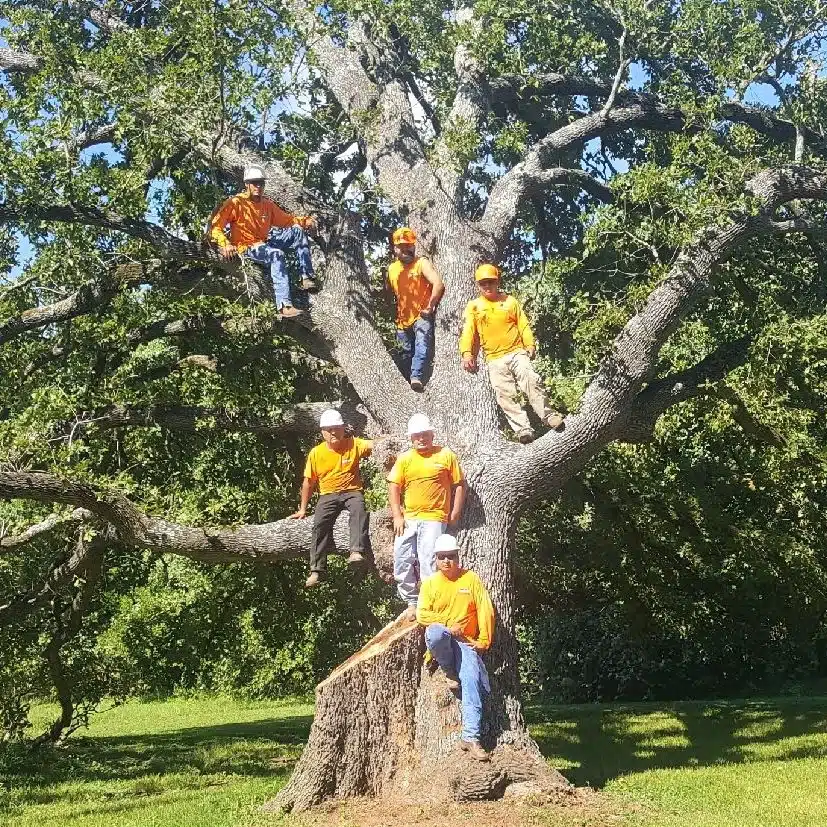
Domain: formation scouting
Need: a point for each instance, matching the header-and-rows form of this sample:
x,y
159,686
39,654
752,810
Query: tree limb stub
x,y
44,528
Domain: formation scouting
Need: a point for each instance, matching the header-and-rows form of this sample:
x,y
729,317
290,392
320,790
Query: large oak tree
x,y
604,144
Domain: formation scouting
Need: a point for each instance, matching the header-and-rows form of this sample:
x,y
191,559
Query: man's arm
x,y
469,340
437,285
395,499
425,614
307,490
282,218
222,216
457,502
485,617
525,331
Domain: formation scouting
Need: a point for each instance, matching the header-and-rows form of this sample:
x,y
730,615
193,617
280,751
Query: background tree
x,y
614,145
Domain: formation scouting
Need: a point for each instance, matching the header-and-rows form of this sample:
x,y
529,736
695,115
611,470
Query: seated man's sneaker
x,y
355,557
475,750
525,436
314,580
311,285
290,312
451,678
416,384
556,422
410,613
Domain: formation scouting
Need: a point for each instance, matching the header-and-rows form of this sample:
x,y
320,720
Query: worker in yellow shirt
x,y
334,464
456,610
431,480
261,231
496,322
418,289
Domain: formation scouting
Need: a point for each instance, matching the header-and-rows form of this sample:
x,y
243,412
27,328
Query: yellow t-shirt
x,y
463,600
337,470
412,289
427,478
500,327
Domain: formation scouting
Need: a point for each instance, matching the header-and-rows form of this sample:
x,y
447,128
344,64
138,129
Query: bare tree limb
x,y
44,528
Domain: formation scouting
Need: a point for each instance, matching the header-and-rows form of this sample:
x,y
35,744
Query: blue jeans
x,y
413,556
293,238
274,259
455,655
417,346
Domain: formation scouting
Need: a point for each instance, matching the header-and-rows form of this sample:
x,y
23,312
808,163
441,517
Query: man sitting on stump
x,y
434,490
496,322
334,463
261,231
418,289
456,610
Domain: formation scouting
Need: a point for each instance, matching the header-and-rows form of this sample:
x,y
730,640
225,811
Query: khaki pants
x,y
510,374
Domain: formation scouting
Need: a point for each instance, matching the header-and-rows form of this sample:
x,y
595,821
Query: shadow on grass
x,y
596,743
259,748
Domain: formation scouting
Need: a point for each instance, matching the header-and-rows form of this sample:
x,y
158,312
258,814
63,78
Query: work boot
x,y
525,435
556,422
410,613
355,557
416,385
290,312
315,578
451,678
310,285
475,750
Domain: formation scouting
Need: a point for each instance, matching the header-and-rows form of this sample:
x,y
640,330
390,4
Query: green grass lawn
x,y
209,762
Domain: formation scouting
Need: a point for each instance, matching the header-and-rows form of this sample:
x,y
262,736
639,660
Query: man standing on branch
x,y
418,289
261,231
496,322
434,491
456,610
334,464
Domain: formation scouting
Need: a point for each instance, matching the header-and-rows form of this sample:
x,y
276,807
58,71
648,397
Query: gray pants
x,y
511,374
329,507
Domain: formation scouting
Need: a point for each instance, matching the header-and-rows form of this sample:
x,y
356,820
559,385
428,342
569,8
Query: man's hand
x,y
228,251
427,313
299,515
311,223
398,526
469,363
531,351
453,518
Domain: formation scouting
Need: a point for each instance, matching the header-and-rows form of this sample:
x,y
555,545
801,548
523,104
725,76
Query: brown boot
x,y
451,678
355,557
310,285
475,750
556,422
315,578
290,312
416,385
525,435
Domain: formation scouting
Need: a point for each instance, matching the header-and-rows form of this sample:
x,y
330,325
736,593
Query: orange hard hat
x,y
486,271
404,235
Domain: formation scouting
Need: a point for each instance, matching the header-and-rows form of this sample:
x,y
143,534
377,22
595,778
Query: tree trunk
x,y
386,724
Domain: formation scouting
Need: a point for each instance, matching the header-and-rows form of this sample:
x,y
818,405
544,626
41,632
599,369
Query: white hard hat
x,y
445,542
419,423
330,419
253,174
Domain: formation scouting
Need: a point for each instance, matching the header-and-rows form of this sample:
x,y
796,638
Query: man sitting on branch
x,y
456,610
334,464
418,289
434,490
261,231
496,322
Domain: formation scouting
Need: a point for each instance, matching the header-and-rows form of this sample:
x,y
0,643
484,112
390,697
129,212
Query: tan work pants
x,y
513,373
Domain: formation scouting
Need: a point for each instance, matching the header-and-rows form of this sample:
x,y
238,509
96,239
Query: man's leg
x,y
294,238
474,682
274,259
530,383
505,389
405,339
359,524
327,510
405,568
442,647
422,349
426,533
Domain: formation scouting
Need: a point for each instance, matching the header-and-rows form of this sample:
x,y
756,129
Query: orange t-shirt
x,y
427,479
249,221
413,291
337,470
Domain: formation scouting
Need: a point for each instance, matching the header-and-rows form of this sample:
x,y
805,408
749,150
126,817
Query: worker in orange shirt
x,y
334,465
496,322
456,610
261,231
418,289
